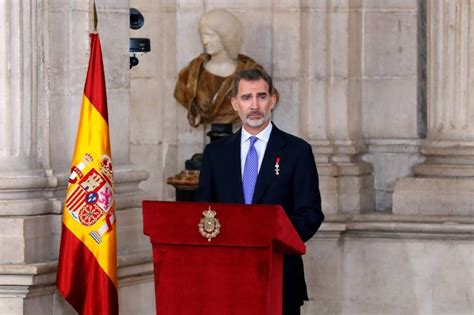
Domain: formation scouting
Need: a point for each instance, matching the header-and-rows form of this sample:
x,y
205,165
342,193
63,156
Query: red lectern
x,y
239,271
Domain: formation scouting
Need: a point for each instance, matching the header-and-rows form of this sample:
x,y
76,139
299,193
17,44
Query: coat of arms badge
x,y
93,195
209,226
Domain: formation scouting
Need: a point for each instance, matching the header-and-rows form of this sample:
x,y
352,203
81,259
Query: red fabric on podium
x,y
238,272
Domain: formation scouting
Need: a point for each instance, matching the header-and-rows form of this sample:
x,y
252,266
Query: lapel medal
x,y
209,226
277,166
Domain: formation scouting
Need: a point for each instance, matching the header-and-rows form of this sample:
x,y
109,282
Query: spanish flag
x,y
87,270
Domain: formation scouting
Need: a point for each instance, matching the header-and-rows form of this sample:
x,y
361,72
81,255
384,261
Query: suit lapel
x,y
267,171
235,173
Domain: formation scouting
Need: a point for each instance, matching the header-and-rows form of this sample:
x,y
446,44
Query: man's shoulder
x,y
223,144
292,140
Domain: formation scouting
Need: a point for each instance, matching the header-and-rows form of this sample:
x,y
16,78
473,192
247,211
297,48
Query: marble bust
x,y
204,85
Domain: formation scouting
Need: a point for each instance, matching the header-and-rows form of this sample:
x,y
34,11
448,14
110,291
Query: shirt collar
x,y
263,135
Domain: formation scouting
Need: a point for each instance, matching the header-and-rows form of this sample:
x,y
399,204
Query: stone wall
x,y
352,77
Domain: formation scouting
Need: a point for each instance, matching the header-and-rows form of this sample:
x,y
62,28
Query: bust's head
x,y
226,26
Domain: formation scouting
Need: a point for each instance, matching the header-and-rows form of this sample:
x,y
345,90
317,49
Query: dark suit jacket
x,y
295,188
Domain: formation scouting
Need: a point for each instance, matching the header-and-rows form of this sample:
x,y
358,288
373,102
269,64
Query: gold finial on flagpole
x,y
95,18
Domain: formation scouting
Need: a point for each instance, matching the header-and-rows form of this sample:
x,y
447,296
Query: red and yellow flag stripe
x,y
87,270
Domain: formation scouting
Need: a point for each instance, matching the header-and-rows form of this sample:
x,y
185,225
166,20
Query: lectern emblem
x,y
209,226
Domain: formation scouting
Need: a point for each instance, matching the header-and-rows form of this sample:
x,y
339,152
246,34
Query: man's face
x,y
254,104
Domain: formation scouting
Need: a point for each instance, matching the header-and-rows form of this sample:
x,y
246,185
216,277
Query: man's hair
x,y
253,74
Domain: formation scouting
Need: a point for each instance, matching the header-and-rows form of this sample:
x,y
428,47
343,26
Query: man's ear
x,y
273,100
233,101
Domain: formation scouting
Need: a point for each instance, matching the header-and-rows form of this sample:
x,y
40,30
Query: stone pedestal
x,y
186,184
388,264
346,182
444,183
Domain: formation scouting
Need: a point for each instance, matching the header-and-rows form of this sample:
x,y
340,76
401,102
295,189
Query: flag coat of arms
x,y
87,268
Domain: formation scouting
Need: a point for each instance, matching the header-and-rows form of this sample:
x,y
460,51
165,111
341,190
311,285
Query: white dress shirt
x,y
260,145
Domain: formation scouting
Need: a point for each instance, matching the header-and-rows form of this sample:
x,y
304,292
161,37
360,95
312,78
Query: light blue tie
x,y
249,179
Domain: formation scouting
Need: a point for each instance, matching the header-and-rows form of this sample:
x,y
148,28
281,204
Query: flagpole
x,y
87,264
96,21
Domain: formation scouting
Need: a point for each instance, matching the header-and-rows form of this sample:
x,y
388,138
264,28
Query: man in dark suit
x,y
261,164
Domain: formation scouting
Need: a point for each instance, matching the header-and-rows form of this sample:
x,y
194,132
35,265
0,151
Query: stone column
x,y
389,96
444,184
44,50
285,51
22,180
25,226
331,115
